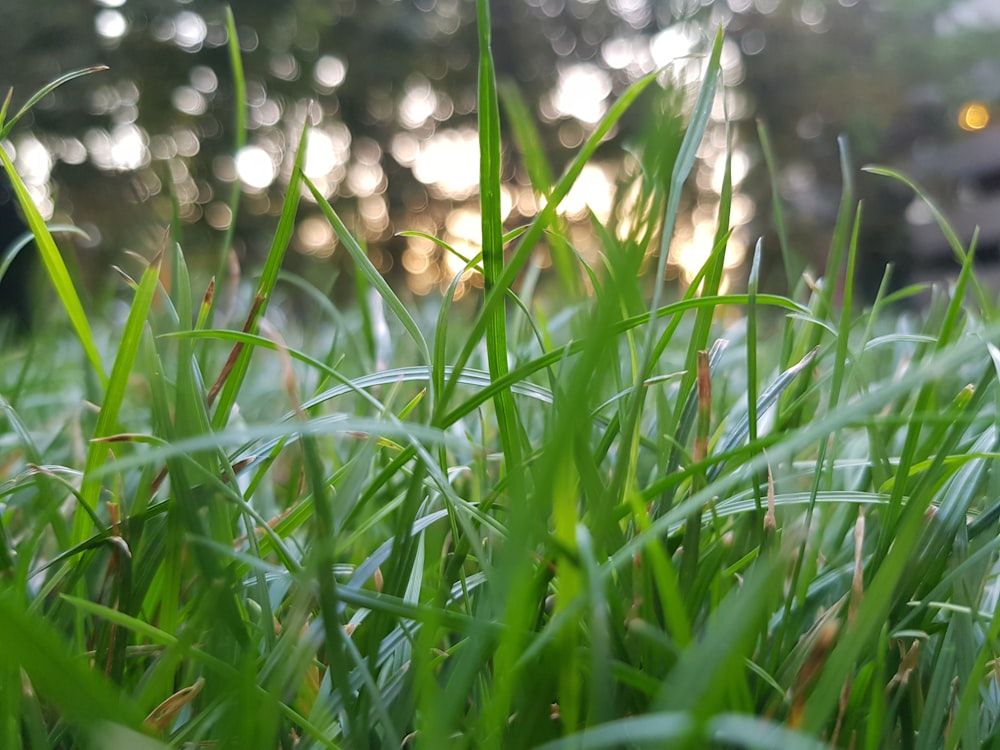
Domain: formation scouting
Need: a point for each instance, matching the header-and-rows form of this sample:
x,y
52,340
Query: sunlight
x,y
255,167
449,162
581,93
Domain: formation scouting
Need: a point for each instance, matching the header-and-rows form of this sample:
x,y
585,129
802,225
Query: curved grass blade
x,y
55,267
5,127
368,270
740,430
542,222
114,395
530,144
269,277
956,245
239,140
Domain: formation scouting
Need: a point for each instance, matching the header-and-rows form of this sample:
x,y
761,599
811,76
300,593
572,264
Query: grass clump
x,y
612,528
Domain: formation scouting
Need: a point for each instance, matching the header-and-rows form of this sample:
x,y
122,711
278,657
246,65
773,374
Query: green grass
x,y
620,525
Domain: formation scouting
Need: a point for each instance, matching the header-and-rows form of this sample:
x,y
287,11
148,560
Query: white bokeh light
x,y
330,72
110,24
449,160
582,92
418,103
190,30
593,189
255,167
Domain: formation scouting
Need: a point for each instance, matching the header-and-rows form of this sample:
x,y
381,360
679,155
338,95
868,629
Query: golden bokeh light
x,y
973,116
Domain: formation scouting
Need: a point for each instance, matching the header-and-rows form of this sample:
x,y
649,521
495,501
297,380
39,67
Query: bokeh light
x,y
255,167
110,24
973,116
448,162
581,93
392,107
329,72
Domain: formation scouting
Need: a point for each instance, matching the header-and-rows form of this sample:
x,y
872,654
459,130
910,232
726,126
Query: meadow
x,y
633,519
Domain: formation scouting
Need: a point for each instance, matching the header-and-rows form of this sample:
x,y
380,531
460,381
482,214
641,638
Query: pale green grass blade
x,y
663,729
685,161
441,331
347,385
753,376
14,249
651,730
982,298
842,229
740,730
114,395
792,268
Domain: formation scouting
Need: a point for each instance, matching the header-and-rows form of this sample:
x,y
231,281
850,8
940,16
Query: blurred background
x,y
390,86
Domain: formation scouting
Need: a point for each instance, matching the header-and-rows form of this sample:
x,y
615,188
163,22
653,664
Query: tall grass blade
x,y
493,250
7,125
788,262
55,267
530,143
959,250
114,395
542,221
269,277
239,140
369,272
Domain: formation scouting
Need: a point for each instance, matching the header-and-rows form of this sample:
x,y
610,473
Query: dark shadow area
x,y
17,303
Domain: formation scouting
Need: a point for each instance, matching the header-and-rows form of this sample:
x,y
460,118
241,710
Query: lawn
x,y
634,518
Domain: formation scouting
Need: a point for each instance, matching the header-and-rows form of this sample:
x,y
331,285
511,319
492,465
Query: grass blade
x,y
55,267
114,395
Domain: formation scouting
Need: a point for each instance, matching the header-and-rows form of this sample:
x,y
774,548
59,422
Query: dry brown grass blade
x,y
857,590
704,407
820,640
161,717
235,353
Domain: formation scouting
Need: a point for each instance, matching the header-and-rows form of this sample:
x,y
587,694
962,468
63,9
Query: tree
x,y
891,76
387,77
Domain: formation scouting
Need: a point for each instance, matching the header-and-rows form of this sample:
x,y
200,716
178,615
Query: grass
x,y
618,526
